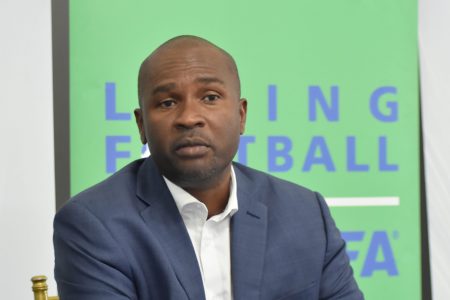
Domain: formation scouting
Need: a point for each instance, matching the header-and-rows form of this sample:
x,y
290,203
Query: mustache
x,y
189,141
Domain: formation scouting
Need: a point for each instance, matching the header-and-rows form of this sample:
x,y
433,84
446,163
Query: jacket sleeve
x,y
89,263
337,280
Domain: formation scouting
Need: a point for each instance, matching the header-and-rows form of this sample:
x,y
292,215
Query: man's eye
x,y
211,97
167,103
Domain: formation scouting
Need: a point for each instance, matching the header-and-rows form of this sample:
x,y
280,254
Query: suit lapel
x,y
248,240
165,222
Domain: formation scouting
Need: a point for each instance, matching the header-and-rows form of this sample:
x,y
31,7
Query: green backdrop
x,y
332,89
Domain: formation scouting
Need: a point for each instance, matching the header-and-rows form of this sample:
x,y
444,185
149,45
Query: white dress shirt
x,y
210,238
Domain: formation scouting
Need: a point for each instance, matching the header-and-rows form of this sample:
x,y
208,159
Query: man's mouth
x,y
191,148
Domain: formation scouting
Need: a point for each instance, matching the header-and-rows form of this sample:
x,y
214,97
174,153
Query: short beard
x,y
196,179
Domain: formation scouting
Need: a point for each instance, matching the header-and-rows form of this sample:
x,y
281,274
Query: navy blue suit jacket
x,y
125,239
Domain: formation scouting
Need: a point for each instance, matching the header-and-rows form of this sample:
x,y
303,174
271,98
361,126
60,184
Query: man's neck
x,y
214,196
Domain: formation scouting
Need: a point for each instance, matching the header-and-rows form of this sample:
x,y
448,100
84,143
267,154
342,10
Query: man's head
x,y
190,111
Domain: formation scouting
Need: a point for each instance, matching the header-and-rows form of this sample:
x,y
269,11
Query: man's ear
x,y
140,123
243,113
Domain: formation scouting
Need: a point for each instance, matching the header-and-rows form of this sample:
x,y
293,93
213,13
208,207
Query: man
x,y
187,223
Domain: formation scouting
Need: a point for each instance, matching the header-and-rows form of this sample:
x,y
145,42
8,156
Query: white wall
x,y
434,36
26,148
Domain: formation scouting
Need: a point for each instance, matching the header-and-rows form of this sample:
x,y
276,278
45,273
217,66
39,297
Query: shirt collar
x,y
183,199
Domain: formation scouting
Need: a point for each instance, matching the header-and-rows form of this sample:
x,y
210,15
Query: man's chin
x,y
192,175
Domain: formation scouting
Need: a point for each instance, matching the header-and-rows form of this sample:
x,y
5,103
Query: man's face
x,y
191,115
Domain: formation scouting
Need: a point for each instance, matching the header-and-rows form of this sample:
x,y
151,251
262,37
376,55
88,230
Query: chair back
x,y
40,288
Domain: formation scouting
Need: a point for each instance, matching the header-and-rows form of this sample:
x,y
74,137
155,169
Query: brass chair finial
x,y
40,288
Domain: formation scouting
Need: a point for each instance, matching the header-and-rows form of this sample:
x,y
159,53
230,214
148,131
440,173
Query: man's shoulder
x,y
115,191
122,180
258,182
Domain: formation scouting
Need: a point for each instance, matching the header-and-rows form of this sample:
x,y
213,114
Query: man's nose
x,y
190,115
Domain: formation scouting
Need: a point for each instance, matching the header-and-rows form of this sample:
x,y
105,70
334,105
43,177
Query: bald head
x,y
183,48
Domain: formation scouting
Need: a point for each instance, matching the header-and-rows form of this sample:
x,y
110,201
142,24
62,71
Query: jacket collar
x,y
248,238
164,221
248,233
